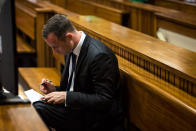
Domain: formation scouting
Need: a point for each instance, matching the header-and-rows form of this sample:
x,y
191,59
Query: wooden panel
x,y
25,20
153,104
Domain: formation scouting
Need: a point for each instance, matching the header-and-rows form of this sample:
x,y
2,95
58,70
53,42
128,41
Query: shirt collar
x,y
76,51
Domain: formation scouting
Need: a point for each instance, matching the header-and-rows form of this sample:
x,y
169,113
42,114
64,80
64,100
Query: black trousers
x,y
59,117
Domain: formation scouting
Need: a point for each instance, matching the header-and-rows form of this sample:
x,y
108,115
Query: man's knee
x,y
42,110
39,106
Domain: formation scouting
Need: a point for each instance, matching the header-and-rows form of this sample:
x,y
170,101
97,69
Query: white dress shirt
x,y
76,52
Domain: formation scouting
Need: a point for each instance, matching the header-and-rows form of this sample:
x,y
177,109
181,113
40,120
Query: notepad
x,y
33,95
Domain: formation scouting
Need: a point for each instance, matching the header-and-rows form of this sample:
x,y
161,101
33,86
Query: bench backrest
x,y
174,22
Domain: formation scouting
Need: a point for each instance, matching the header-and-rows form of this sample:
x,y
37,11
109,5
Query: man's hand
x,y
47,86
55,97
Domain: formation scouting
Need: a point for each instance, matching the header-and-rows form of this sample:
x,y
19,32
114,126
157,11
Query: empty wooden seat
x,y
31,78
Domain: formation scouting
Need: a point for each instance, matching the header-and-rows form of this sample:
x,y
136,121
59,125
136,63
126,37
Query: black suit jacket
x,y
96,86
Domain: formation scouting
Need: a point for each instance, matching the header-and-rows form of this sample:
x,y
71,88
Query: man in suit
x,y
88,97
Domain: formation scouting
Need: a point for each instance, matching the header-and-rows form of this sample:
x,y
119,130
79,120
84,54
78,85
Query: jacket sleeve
x,y
103,71
58,88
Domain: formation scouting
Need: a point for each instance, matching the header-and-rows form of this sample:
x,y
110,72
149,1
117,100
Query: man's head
x,y
58,33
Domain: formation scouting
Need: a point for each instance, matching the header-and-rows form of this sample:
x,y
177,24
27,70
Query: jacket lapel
x,y
83,53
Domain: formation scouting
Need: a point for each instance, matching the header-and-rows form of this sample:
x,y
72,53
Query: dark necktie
x,y
73,56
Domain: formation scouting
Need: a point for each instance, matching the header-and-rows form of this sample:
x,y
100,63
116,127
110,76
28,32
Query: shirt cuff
x,y
65,99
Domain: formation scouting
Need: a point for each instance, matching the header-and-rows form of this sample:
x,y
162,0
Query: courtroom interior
x,y
154,42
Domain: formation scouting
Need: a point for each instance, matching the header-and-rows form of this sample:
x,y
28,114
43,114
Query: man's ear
x,y
68,35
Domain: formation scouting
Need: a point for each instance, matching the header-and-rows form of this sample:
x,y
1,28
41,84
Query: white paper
x,y
32,95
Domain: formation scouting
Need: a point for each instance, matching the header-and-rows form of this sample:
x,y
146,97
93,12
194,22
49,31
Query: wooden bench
x,y
90,8
151,75
25,22
158,80
143,17
175,23
159,64
145,92
181,5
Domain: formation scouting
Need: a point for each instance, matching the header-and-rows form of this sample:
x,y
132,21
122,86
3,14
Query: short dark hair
x,y
59,25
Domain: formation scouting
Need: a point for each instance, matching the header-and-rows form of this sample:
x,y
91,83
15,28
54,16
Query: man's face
x,y
63,46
